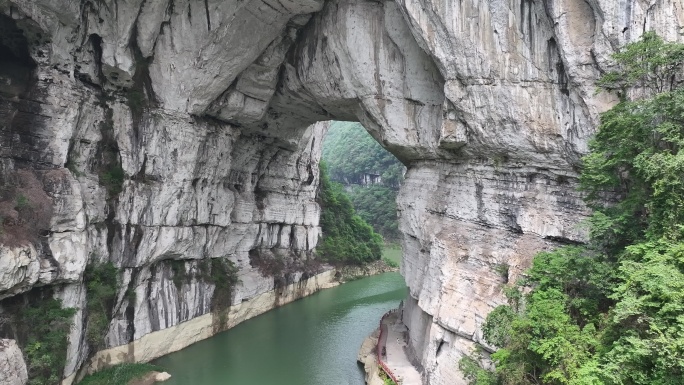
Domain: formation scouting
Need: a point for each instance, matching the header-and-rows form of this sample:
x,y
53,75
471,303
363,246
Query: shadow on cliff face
x,y
16,76
283,267
25,207
16,64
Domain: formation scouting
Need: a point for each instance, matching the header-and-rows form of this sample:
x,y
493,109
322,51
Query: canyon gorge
x,y
162,135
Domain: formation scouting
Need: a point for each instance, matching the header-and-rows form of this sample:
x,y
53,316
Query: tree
x,y
347,238
612,312
377,205
649,63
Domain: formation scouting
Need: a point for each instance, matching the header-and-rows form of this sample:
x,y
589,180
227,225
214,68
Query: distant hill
x,y
371,175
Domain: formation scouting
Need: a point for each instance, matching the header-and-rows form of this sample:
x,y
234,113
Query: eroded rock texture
x,y
520,97
12,365
160,134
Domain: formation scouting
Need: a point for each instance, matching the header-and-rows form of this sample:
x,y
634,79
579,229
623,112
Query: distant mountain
x,y
371,175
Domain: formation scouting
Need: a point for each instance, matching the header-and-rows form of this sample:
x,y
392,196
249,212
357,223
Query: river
x,y
313,341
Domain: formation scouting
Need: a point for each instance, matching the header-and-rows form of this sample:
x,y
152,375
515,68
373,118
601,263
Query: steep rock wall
x,y
520,94
132,177
12,363
179,130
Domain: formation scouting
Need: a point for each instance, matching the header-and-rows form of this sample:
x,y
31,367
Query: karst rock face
x,y
163,133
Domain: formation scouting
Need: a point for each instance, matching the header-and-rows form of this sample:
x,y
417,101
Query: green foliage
x,y
220,272
377,205
224,275
646,326
112,178
22,202
647,63
386,380
637,154
474,373
551,338
502,269
497,329
119,375
390,262
393,253
135,98
180,275
73,168
612,313
101,287
347,238
351,153
44,326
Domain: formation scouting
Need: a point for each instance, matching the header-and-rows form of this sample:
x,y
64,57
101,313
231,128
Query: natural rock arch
x,y
205,106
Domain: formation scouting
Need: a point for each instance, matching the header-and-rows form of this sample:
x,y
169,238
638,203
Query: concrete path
x,y
395,357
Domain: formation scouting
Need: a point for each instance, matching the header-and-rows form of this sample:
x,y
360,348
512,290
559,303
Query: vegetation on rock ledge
x,y
611,312
101,288
119,375
347,238
353,156
40,325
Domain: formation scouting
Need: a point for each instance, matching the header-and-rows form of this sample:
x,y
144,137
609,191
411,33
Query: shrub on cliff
x,y
101,281
41,325
351,155
122,374
47,325
346,237
611,312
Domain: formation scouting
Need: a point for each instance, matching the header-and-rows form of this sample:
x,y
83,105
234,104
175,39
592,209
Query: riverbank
x,y
389,263
174,338
369,359
313,341
127,374
169,340
349,273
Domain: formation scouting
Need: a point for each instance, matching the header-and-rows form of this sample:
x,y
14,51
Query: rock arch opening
x,y
223,164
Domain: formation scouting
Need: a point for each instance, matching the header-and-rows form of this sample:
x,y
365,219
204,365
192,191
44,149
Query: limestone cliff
x,y
12,364
143,132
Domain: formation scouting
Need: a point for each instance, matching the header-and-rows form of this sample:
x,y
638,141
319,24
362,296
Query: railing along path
x,y
380,348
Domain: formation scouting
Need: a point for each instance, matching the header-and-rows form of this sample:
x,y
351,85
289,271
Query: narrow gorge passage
x,y
313,341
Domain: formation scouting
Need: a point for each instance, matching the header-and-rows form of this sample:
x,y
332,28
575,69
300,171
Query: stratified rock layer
x,y
166,133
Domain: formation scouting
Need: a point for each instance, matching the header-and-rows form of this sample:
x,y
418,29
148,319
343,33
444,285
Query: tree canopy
x,y
611,312
351,152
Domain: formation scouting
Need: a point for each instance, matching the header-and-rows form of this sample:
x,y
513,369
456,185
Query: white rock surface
x,y
207,106
12,364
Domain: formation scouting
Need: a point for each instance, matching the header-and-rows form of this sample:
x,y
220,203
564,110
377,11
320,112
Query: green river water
x,y
313,341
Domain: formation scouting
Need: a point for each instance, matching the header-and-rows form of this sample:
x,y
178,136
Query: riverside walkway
x,y
392,351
